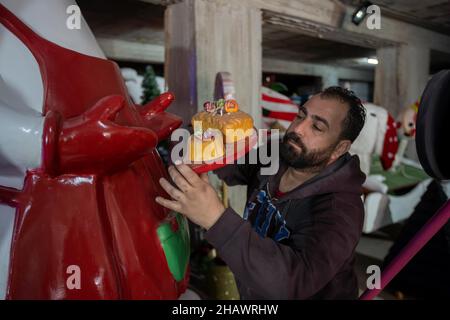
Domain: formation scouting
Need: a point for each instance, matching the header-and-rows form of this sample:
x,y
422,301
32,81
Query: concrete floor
x,y
371,250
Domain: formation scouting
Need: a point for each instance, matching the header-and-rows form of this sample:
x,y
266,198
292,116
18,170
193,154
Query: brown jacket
x,y
300,246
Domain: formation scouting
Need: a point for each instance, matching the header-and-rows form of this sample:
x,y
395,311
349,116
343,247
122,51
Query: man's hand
x,y
193,196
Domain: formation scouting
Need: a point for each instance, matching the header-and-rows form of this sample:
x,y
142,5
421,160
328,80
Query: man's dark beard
x,y
312,161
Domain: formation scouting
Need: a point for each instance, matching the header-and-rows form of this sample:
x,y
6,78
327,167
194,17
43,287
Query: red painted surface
x,y
288,116
91,204
390,145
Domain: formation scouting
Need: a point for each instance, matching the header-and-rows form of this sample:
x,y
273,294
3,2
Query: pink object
x,y
433,225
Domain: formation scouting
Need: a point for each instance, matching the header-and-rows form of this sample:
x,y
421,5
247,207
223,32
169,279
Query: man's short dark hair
x,y
356,115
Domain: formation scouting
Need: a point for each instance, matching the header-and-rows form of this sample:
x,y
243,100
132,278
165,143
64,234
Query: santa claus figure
x,y
78,169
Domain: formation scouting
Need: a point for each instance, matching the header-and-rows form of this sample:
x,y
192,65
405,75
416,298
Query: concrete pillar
x,y
386,81
204,37
330,78
180,58
413,72
400,78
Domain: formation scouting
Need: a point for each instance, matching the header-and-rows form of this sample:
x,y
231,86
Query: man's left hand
x,y
192,196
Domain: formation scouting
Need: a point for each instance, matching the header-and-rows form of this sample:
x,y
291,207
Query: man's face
x,y
311,139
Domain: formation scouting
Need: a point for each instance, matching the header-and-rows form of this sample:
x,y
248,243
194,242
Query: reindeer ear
x,y
157,105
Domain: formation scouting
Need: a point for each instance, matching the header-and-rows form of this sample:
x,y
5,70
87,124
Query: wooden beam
x,y
132,51
313,69
324,31
326,14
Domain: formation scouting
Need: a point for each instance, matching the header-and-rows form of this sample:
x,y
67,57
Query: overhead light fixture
x,y
361,12
372,60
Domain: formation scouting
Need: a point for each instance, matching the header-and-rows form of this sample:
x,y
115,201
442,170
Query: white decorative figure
x,y
21,99
133,81
379,137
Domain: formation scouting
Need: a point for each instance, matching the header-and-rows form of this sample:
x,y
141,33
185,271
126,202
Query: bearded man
x,y
297,236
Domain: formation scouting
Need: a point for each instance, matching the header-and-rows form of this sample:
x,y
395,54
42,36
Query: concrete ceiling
x,y
282,44
138,21
120,16
128,20
430,14
143,22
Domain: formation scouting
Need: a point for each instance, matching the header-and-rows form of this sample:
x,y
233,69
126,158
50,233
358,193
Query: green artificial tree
x,y
150,86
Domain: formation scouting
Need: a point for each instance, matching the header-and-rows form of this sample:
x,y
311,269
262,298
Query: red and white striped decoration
x,y
277,107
